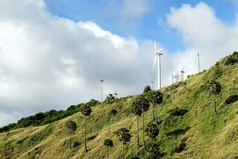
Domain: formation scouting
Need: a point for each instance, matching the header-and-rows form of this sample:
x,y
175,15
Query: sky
x,y
53,53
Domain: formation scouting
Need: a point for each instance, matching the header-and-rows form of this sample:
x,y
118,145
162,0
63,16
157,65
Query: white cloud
x,y
48,62
203,33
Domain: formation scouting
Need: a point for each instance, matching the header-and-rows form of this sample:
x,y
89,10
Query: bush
x,y
217,73
24,122
147,89
93,102
181,83
110,97
51,113
39,116
178,112
47,117
231,99
113,111
76,144
230,60
72,108
8,127
189,76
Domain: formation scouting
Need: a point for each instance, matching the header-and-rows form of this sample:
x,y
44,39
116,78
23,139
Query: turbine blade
x,y
155,46
154,62
160,49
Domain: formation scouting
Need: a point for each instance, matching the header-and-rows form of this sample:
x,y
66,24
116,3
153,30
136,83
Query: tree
x,y
152,148
71,126
156,98
144,106
108,143
214,88
152,130
124,137
86,111
136,109
147,89
110,97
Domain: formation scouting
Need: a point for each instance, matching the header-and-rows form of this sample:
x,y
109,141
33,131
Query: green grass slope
x,y
189,127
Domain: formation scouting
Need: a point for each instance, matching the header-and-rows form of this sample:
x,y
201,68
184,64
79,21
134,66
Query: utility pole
x,y
198,64
101,89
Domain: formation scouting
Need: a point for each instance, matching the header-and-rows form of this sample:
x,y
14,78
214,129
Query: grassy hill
x,y
189,127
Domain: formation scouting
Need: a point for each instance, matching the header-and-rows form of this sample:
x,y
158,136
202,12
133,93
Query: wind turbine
x,y
158,53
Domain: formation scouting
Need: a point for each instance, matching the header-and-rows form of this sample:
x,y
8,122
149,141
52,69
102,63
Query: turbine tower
x,y
158,53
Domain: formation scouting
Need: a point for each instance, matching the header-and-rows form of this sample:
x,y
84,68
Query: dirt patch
x,y
22,140
120,106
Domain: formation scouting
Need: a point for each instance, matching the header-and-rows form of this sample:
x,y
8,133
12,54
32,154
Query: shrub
x,y
152,148
181,83
147,89
152,130
231,99
8,127
93,102
230,60
39,116
110,97
72,108
178,112
113,112
76,144
24,122
217,73
51,113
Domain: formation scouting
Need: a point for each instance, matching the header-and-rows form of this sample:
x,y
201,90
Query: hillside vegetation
x,y
188,125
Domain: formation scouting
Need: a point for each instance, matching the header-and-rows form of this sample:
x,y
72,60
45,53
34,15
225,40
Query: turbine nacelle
x,y
159,53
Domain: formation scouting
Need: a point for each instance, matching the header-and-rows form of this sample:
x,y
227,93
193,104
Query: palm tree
x,y
108,143
71,126
147,89
156,98
86,111
152,130
152,148
214,88
144,106
136,109
124,137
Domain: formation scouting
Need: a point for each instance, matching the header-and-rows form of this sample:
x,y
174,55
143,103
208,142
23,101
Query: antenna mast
x,y
101,89
182,75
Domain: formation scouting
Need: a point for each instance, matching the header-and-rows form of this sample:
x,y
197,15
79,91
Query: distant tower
x,y
115,94
198,64
182,75
177,77
101,89
172,78
152,85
